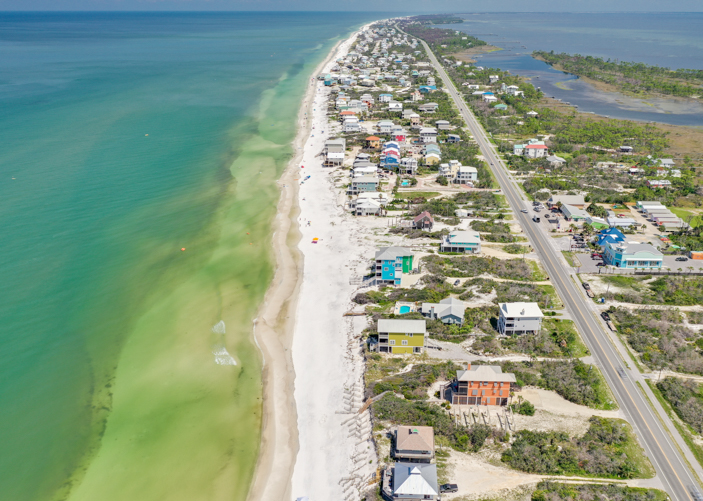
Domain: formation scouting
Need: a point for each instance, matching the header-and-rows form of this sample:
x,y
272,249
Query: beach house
x,y
428,107
536,150
404,337
410,482
373,142
395,107
423,221
632,255
519,318
428,135
363,184
443,124
385,126
463,241
408,165
449,311
392,263
479,385
334,151
466,175
413,444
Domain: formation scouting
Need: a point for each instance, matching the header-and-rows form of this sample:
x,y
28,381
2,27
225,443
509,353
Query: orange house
x,y
480,385
373,142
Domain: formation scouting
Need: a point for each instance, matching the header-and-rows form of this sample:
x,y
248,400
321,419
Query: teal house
x,y
392,263
632,255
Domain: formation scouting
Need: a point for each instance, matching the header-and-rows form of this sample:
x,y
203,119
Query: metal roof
x,y
402,326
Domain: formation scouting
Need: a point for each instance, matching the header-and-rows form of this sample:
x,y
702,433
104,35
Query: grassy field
x,y
571,258
696,219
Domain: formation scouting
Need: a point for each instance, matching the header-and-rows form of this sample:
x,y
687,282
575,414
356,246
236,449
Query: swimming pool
x,y
405,183
404,309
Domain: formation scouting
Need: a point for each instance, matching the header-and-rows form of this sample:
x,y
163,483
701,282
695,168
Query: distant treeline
x,y
437,19
633,77
439,37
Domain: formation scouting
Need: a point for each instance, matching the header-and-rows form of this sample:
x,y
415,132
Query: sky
x,y
401,7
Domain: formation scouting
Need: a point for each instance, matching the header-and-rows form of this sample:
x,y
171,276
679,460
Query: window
x,y
417,349
392,342
405,342
409,334
474,392
488,400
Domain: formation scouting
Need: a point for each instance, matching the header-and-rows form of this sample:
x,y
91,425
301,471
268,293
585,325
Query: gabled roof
x,y
414,438
389,253
487,373
402,326
415,479
422,216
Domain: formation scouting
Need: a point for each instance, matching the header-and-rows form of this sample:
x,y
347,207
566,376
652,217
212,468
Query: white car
x,y
524,211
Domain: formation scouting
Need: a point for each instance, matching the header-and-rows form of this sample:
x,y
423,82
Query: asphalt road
x,y
673,471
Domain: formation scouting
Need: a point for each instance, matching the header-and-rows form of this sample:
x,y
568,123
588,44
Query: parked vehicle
x,y
682,258
456,282
448,488
586,286
600,264
605,316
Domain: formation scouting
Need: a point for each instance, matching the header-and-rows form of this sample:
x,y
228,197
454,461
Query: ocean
x,y
672,40
138,167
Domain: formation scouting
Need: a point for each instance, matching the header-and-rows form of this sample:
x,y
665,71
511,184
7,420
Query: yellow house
x,y
401,336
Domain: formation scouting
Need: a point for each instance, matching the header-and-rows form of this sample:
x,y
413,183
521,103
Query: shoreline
x,y
274,326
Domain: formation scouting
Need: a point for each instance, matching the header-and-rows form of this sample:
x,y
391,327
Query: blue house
x,y
392,263
610,235
426,89
634,255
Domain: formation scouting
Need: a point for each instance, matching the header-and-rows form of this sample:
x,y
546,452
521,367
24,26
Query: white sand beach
x,y
307,345
336,454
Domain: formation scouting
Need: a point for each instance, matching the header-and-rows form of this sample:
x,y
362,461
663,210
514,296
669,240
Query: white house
x,y
519,318
385,126
466,175
428,135
395,107
351,124
536,150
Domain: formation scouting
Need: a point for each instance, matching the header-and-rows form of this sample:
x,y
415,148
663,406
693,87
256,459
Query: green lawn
x,y
684,214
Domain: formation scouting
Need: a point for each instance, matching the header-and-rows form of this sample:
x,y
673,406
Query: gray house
x,y
449,311
411,481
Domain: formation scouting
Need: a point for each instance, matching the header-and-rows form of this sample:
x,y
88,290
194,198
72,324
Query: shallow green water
x,y
124,139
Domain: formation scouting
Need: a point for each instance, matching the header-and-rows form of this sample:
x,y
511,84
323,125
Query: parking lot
x,y
588,265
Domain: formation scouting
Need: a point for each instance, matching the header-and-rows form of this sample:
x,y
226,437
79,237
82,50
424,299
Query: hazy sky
x,y
399,6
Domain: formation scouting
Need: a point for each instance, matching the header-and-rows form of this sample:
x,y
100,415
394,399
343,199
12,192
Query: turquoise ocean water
x,y
126,137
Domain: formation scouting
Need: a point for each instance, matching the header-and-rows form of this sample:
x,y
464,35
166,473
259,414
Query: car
x,y
537,209
536,203
456,282
682,258
600,264
524,211
586,285
448,488
605,316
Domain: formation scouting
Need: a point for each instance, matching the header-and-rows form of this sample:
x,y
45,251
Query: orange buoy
x,y
183,248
